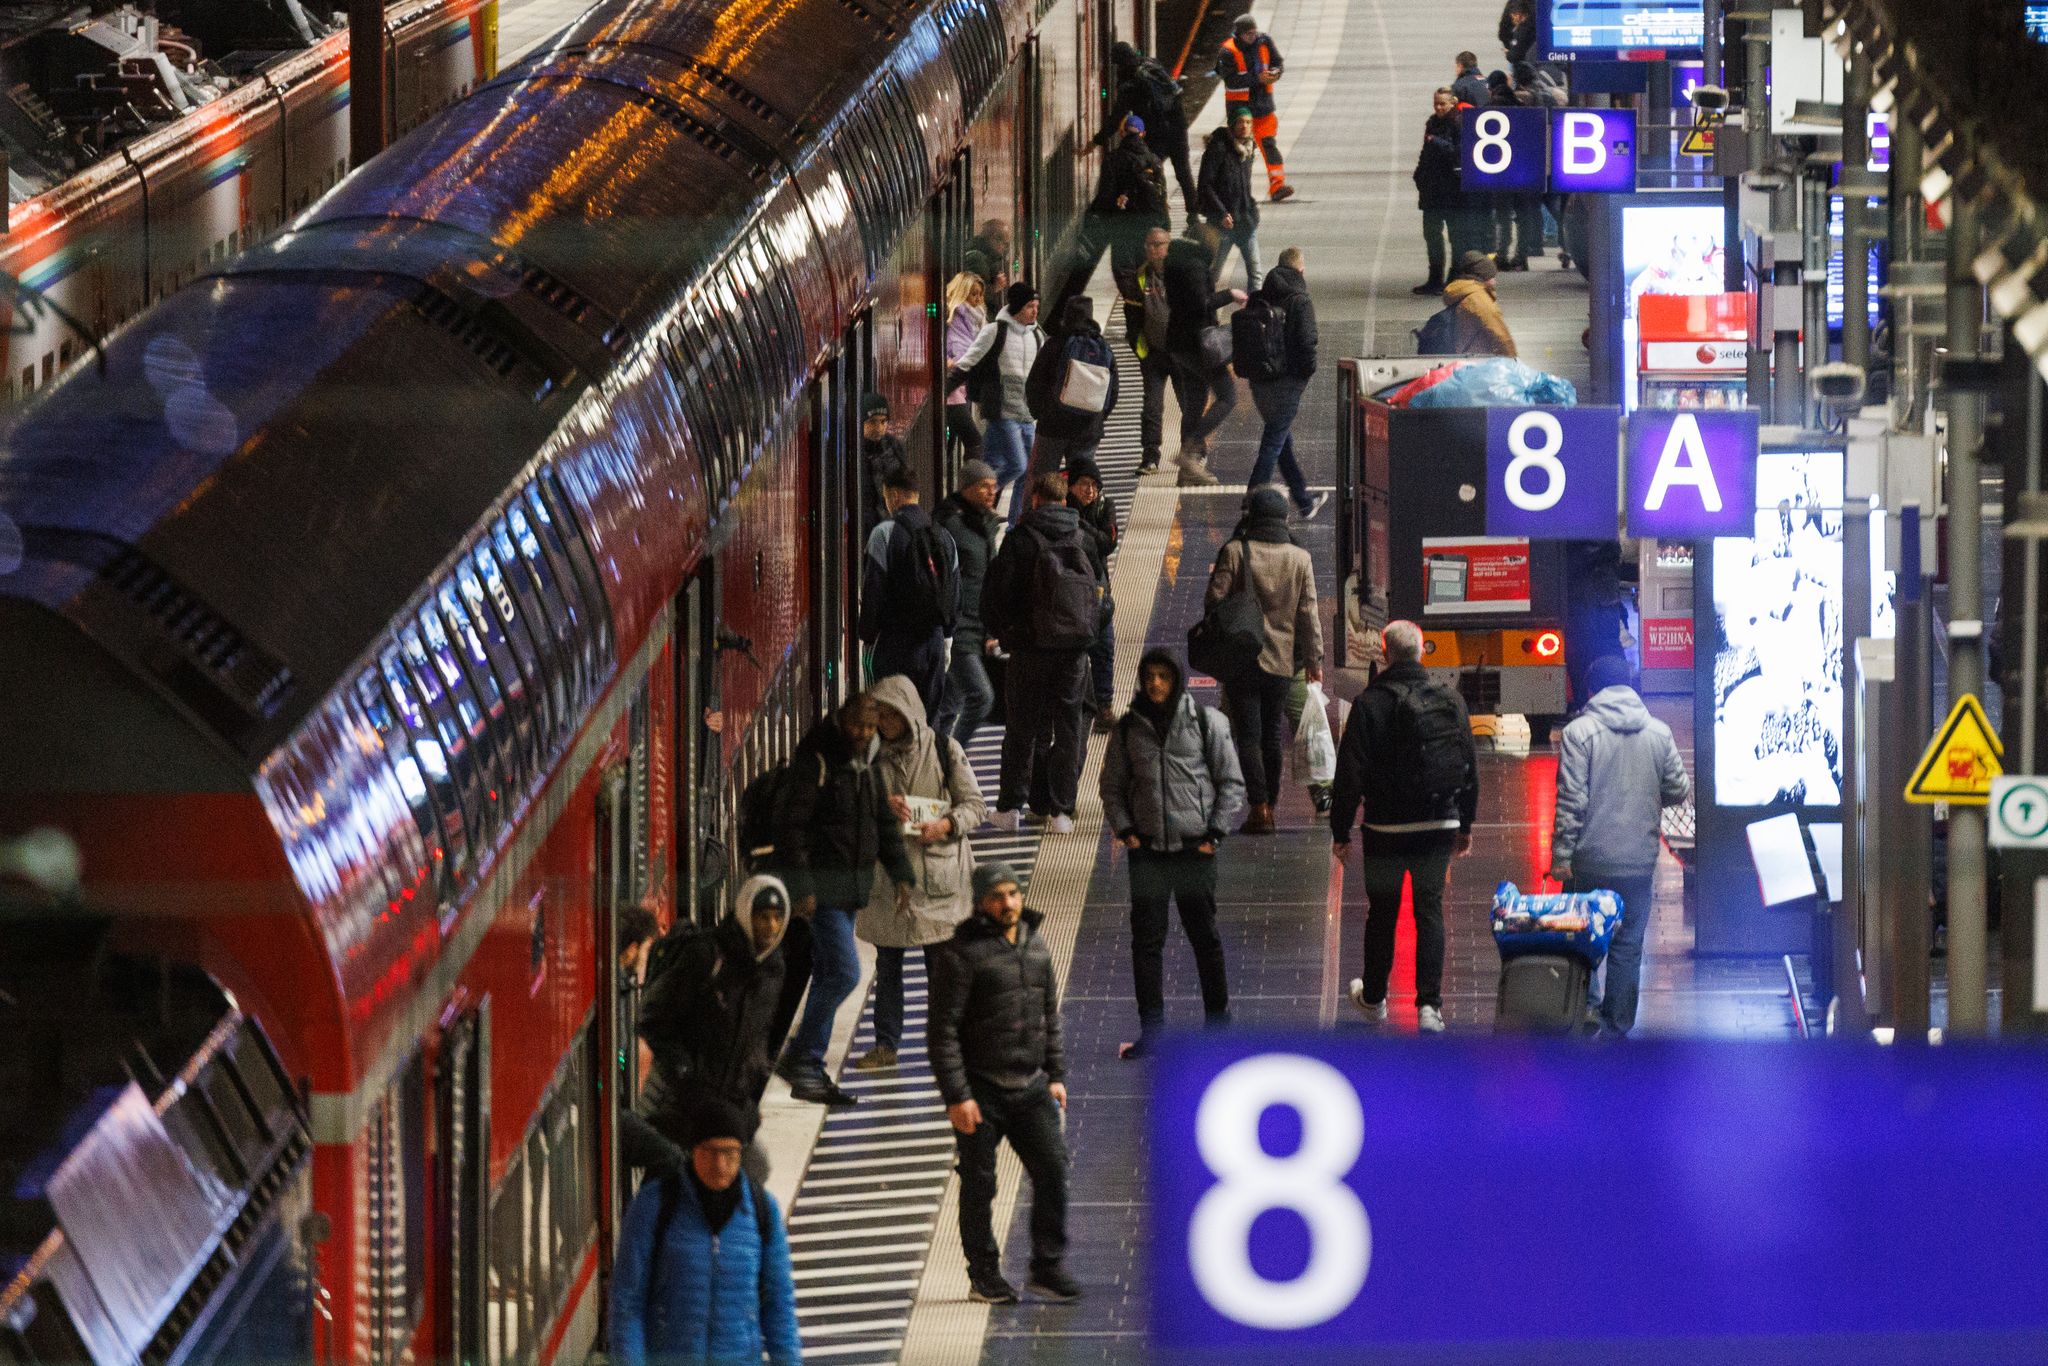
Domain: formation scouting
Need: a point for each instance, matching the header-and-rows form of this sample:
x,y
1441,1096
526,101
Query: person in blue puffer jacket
x,y
717,1288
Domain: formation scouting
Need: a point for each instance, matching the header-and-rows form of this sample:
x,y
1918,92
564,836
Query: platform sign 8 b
x,y
1503,149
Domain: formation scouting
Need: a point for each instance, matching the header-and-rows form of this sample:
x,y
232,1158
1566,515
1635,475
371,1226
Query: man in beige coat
x,y
1283,578
932,791
1482,330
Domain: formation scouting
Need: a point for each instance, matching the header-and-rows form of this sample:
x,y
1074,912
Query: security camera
x,y
1838,385
1709,99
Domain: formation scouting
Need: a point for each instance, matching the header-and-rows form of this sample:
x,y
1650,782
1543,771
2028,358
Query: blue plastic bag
x,y
1554,922
1497,383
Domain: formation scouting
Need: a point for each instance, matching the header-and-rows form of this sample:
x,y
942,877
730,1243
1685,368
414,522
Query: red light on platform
x,y
1549,645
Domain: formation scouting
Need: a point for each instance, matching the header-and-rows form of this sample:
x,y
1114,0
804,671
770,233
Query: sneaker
x,y
1429,1019
876,1059
1280,193
819,1089
1315,505
1374,1011
1149,465
790,1068
1195,474
1053,1284
989,1287
1426,289
1060,825
1011,821
1140,1047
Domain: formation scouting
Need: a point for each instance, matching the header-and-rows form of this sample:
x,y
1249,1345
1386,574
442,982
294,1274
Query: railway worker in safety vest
x,y
1248,66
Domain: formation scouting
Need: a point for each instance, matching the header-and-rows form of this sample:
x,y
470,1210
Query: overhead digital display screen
x,y
1601,28
1665,249
2037,22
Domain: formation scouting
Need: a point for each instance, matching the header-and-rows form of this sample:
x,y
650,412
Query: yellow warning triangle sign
x,y
1699,140
1960,761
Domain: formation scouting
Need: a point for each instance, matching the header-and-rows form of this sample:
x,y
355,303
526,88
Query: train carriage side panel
x,y
438,53
315,91
82,245
213,178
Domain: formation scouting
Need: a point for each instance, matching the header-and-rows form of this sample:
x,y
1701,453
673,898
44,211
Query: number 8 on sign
x,y
1539,456
1492,153
1308,1182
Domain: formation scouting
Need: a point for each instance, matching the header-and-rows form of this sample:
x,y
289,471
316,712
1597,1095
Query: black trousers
x,y
921,660
1188,879
1425,860
961,429
1184,172
1043,731
796,976
1258,727
1030,1119
1206,397
1156,371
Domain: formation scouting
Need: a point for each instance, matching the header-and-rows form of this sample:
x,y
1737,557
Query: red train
x,y
369,610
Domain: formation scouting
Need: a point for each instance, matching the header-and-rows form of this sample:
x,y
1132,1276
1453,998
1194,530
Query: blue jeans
x,y
1246,240
969,698
889,994
1617,1004
1278,400
1006,444
835,972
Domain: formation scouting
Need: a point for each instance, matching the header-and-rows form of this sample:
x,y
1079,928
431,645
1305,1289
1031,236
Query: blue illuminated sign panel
x,y
1468,1199
1553,473
1592,149
1692,472
1602,28
1502,149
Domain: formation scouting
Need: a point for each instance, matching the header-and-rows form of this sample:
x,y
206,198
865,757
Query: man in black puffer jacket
x,y
832,826
1000,1060
1206,393
1226,193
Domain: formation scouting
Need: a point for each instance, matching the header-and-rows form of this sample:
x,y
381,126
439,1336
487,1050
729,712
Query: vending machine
x,y
1694,350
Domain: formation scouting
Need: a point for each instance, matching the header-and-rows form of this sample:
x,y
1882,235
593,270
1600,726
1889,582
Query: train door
x,y
623,879
952,226
462,1103
840,500
701,856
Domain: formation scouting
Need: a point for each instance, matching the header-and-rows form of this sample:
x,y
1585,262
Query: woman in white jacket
x,y
1008,428
933,792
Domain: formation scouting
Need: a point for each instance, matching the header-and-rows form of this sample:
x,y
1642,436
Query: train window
x,y
586,599
513,666
527,625
454,738
49,365
472,714
712,374
495,691
555,508
395,1150
746,384
548,586
28,380
425,743
510,1317
412,780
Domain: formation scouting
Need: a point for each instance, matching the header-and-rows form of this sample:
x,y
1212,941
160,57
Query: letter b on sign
x,y
1692,474
1552,473
1592,149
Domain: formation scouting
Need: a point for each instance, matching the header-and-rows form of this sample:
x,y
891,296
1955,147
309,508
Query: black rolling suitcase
x,y
1544,992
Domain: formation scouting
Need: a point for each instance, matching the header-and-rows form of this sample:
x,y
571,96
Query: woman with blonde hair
x,y
966,315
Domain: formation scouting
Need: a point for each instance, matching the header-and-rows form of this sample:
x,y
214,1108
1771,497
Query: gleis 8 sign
x,y
1553,473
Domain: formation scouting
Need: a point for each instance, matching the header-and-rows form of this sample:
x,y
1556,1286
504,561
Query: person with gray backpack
x,y
1071,389
1408,771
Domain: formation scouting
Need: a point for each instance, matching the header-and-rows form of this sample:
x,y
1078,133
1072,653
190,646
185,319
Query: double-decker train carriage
x,y
373,611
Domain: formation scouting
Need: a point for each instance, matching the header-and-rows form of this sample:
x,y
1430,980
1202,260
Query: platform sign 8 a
x,y
1503,149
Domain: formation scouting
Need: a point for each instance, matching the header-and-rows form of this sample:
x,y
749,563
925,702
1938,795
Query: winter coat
x,y
961,330
1367,754
1288,292
995,1010
1481,329
1177,791
1006,595
1438,180
1616,769
1098,523
1191,298
1021,342
921,765
1284,582
1550,92
1470,88
1133,172
705,1018
1141,293
1239,65
1042,391
1516,39
832,824
1166,126
1224,184
974,534
722,1296
879,460
887,543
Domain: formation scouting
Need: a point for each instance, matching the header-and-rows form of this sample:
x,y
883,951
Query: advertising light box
x,y
1501,150
1568,29
1665,249
1592,150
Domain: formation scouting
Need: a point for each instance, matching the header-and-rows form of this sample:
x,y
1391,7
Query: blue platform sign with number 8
x,y
1475,1198
1553,473
1504,149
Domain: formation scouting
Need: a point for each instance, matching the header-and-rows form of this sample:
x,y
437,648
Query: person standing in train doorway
x,y
909,593
968,516
1249,65
995,368
1000,1058
881,455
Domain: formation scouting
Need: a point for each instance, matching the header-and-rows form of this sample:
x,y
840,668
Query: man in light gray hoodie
x,y
1617,768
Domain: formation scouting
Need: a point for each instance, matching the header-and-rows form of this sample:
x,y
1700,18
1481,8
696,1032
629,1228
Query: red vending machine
x,y
1695,348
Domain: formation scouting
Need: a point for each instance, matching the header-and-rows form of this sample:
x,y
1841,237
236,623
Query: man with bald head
x,y
1407,769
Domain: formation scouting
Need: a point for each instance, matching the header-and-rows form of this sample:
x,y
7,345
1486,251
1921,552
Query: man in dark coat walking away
x,y
1207,393
1225,189
1098,520
1130,198
909,593
881,455
1060,396
1446,230
833,826
968,516
1145,88
1278,397
999,1056
1407,758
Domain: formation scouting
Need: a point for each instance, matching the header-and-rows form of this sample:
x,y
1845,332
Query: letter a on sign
x,y
1692,474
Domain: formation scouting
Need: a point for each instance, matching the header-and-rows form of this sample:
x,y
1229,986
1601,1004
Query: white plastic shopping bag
x,y
1315,745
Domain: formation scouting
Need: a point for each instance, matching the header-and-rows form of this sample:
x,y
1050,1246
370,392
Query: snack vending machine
x,y
1695,350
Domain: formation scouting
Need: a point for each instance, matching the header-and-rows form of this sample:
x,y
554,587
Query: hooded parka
x,y
1177,789
921,765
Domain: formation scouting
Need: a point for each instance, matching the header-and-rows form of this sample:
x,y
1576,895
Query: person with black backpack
x,y
1408,760
703,1268
1274,339
909,593
1043,599
1072,387
1225,193
1170,789
1147,89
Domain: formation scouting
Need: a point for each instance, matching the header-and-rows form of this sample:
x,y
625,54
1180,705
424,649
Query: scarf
x,y
718,1205
1248,148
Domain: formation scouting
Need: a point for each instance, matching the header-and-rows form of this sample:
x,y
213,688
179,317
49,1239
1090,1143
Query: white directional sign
x,y
2019,812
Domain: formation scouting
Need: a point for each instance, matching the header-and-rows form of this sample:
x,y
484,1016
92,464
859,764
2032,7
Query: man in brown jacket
x,y
1481,331
1283,578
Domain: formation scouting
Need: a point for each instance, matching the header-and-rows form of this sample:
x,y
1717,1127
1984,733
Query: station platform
x,y
880,1276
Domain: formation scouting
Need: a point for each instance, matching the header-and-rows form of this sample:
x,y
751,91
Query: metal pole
x,y
1906,211
1710,43
1967,949
1909,867
1855,240
1659,145
367,80
1756,126
1814,202
2021,866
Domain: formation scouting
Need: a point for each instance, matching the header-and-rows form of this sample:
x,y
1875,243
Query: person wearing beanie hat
x,y
994,368
909,593
881,457
1144,88
998,1053
1472,298
1130,198
1249,66
1098,524
968,516
703,1267
1617,767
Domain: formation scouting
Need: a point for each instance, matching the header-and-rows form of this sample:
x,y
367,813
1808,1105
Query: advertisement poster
x,y
1778,663
1472,574
1665,249
1667,642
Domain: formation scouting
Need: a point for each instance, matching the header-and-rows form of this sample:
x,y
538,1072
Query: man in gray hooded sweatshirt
x,y
1617,768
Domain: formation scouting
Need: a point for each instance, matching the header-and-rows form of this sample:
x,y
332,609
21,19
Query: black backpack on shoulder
x,y
1430,738
924,581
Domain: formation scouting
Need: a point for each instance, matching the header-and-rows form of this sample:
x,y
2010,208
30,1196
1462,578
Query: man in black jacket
x,y
1063,431
1130,198
1146,316
1224,192
1098,523
968,516
1439,192
909,592
1278,399
881,455
832,825
1144,88
1407,735
1206,392
997,1052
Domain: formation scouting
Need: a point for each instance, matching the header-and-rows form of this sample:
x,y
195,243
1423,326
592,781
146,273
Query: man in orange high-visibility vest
x,y
1249,64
